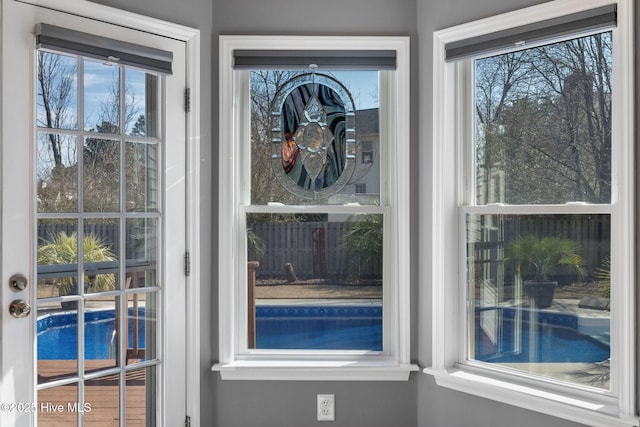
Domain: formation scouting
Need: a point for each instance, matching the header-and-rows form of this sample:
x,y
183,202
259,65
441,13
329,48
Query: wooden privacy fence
x,y
314,249
591,233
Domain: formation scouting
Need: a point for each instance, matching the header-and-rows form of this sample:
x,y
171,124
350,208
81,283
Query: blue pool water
x,y
319,327
58,334
557,340
336,327
277,327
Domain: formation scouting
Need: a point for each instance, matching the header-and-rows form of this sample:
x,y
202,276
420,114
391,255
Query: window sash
x,y
464,72
466,303
450,195
241,78
242,348
242,105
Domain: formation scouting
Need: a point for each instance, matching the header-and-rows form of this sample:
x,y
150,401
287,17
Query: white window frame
x,y
236,362
451,100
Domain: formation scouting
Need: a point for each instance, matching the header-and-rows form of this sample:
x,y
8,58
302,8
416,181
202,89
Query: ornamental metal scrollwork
x,y
313,136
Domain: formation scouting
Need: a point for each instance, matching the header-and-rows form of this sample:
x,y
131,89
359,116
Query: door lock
x,y
18,282
19,308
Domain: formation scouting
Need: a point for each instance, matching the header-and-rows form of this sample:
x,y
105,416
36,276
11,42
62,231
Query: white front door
x,y
93,214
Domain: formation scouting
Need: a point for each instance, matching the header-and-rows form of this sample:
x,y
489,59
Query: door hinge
x,y
187,421
187,100
187,264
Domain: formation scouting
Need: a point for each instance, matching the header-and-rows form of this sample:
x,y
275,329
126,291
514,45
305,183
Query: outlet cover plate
x,y
326,407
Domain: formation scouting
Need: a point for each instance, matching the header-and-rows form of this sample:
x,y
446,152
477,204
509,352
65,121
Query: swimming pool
x,y
556,339
307,327
58,334
310,327
340,327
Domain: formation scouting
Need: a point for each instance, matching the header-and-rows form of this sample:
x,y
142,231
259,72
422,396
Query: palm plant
x,y
604,277
63,249
255,246
541,256
364,244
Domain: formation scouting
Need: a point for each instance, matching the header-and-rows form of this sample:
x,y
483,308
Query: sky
x,y
99,83
363,86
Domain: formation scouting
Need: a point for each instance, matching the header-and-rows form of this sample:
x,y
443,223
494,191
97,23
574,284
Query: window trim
x,y
393,364
450,99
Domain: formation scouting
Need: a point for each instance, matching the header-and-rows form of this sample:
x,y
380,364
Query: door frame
x,y
191,38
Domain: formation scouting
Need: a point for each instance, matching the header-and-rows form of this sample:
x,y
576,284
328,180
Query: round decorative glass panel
x,y
313,136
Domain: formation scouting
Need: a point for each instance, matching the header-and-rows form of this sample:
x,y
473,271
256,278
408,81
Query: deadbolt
x,y
18,282
19,308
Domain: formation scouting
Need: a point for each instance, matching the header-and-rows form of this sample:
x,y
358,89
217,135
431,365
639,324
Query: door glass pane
x,y
57,86
539,289
101,333
58,406
103,396
57,259
141,327
101,255
141,252
57,344
141,174
101,98
141,106
57,172
315,281
101,175
140,405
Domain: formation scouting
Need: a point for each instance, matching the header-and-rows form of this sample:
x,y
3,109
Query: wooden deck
x,y
58,406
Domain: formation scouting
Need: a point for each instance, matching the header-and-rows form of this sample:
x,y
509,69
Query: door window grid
x,y
135,272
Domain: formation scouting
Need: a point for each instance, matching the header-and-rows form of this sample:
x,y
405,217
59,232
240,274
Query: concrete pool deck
x,y
317,291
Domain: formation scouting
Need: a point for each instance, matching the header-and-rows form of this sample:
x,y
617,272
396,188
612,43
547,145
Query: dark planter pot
x,y
69,305
72,305
540,292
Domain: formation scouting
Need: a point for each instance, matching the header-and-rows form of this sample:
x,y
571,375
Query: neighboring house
x,y
365,182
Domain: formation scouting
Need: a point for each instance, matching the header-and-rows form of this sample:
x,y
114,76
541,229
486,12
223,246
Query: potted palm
x,y
537,258
62,248
363,241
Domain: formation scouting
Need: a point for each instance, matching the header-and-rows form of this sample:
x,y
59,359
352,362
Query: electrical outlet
x,y
326,407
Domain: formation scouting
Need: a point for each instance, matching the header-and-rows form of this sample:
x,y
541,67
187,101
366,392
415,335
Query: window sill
x,y
314,371
576,409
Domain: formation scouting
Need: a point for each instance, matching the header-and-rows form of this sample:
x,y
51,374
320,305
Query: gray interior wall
x,y
418,402
293,403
